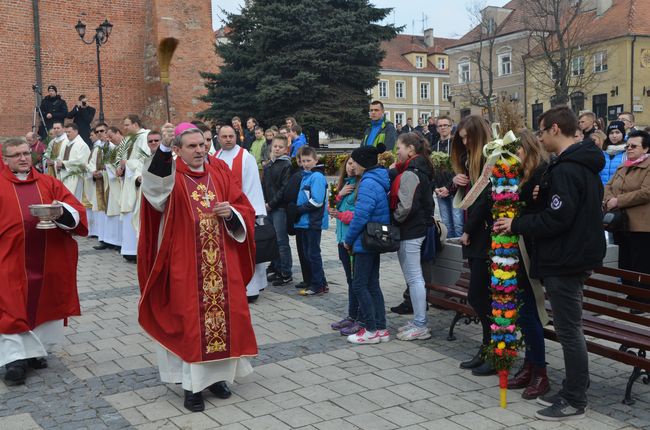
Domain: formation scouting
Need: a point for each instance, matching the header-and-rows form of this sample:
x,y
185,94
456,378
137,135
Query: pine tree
x,y
312,59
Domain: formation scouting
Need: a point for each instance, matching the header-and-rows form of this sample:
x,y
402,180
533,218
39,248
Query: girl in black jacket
x,y
467,160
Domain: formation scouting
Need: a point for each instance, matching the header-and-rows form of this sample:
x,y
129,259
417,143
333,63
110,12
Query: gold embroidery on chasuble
x,y
211,268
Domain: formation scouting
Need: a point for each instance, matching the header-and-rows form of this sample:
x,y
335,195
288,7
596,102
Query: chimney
x,y
602,6
428,37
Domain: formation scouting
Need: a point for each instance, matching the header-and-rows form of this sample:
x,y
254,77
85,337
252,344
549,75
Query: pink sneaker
x,y
384,335
364,337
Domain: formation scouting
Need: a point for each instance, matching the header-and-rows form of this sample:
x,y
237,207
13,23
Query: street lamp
x,y
101,36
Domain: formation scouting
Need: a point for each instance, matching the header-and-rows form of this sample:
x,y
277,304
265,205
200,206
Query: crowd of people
x,y
197,194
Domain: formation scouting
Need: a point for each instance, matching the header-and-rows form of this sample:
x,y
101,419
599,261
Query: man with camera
x,y
54,109
82,115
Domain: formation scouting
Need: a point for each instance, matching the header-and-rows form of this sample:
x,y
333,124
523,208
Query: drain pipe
x,y
37,45
632,77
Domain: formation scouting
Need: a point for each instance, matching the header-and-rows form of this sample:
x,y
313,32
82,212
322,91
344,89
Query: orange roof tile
x,y
403,44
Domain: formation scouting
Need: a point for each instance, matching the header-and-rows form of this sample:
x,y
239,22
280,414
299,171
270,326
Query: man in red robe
x,y
38,268
195,256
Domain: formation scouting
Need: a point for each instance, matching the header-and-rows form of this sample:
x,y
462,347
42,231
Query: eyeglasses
x,y
542,130
19,155
632,146
153,140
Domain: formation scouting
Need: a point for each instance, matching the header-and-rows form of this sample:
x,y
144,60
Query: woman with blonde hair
x,y
532,375
467,161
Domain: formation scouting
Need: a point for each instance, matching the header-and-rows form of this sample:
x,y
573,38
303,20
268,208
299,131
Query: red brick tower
x,y
130,69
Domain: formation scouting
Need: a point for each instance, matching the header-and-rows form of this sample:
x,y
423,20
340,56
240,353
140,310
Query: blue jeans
x,y
409,261
531,326
451,217
365,285
353,303
284,263
302,258
311,248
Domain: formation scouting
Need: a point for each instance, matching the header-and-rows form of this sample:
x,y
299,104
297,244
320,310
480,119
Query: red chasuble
x,y
38,268
194,286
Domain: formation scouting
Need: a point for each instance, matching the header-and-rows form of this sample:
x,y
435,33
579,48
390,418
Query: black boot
x,y
194,401
220,389
252,299
475,361
16,372
485,369
102,245
37,363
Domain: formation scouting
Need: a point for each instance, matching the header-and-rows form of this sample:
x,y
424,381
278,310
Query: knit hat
x,y
616,125
52,87
366,156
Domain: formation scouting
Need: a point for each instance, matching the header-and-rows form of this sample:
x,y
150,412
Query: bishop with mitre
x,y
196,253
38,268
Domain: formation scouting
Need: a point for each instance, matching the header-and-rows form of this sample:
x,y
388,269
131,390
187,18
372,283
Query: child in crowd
x,y
411,204
258,147
371,206
343,212
274,182
290,198
311,209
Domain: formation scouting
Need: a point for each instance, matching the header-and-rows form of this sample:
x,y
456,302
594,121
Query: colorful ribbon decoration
x,y
506,174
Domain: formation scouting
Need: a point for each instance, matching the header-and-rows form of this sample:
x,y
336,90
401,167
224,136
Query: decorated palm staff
x,y
505,179
501,171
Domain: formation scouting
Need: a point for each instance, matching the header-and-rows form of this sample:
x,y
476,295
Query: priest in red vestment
x,y
38,268
195,256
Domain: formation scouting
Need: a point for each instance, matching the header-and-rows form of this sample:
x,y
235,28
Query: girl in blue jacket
x,y
371,206
343,212
613,150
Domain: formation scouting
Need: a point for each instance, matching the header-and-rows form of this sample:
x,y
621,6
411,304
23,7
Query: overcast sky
x,y
448,18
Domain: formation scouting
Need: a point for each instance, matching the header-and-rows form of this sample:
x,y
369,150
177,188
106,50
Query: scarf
x,y
641,159
615,149
394,187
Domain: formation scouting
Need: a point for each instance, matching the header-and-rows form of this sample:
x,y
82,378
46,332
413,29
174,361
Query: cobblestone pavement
x,y
306,376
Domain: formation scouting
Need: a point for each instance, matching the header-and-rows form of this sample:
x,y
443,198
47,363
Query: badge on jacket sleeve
x,y
556,202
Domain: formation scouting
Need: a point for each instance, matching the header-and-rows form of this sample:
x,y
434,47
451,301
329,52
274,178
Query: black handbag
x,y
616,220
266,243
381,238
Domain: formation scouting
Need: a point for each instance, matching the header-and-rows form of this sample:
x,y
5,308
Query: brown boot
x,y
539,384
522,377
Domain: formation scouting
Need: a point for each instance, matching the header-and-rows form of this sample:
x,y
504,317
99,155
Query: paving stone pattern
x,y
306,376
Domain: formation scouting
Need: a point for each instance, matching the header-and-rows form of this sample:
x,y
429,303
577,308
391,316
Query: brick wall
x,y
130,72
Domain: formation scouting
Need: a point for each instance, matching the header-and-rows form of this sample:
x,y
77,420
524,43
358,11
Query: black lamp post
x,y
101,36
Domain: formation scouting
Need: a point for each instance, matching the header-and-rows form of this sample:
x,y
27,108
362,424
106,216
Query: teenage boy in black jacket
x,y
569,242
274,181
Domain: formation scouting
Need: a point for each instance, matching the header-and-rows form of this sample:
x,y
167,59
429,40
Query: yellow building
x,y
614,55
414,78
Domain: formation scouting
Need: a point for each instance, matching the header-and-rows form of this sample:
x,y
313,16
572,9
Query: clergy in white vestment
x,y
95,189
53,148
131,159
195,253
244,167
71,162
38,268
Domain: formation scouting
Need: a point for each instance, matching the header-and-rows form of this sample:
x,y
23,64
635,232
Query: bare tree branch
x,y
559,63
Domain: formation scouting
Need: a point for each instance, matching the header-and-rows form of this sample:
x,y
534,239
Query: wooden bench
x,y
606,317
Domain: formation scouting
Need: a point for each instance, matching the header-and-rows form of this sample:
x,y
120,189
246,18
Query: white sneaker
x,y
364,336
408,326
384,335
415,333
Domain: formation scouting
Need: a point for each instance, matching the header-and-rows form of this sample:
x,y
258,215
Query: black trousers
x,y
479,294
